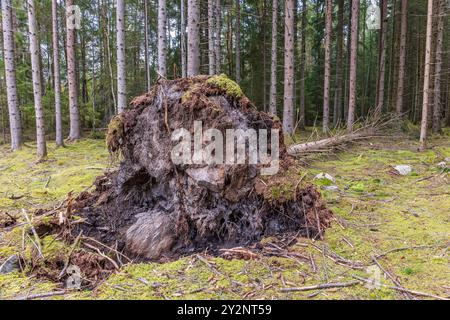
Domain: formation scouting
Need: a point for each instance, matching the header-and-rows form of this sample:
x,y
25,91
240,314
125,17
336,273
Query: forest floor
x,y
402,221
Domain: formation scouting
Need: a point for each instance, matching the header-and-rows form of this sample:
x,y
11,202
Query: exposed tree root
x,y
152,208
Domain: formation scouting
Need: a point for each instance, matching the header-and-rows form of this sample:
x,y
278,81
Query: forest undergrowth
x,y
384,222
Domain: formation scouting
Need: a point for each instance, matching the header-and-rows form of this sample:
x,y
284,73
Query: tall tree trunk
x,y
419,74
326,84
437,110
183,38
107,36
339,63
56,75
263,23
37,84
2,112
121,58
10,73
392,74
147,57
426,81
212,36
229,41
447,111
75,130
162,38
218,16
238,41
353,65
2,92
363,67
274,60
302,115
84,84
347,68
379,104
193,59
288,109
93,89
402,60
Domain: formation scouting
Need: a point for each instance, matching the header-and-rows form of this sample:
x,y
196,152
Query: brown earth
x,y
151,208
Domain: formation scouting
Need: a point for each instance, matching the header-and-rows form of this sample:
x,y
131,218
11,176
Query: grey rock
x,y
442,165
403,170
324,176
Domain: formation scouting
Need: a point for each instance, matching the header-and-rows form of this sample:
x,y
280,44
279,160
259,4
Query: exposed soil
x,y
152,208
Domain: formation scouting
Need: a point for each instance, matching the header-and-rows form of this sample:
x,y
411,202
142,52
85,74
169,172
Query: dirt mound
x,y
154,206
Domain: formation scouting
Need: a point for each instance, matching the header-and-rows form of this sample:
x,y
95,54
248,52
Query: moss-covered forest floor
x,y
404,221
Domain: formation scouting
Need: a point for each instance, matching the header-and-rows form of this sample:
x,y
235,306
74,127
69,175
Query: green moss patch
x,y
226,85
403,218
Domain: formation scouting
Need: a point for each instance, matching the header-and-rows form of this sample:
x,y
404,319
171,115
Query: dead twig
x,y
66,262
348,242
416,293
107,247
37,241
298,184
338,259
103,255
313,263
13,197
404,249
240,253
322,286
214,269
14,219
48,182
209,265
42,295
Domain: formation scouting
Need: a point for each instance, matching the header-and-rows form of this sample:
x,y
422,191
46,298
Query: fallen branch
x,y
401,289
240,253
43,295
404,249
318,146
13,197
333,256
103,255
322,286
214,269
209,265
107,247
370,129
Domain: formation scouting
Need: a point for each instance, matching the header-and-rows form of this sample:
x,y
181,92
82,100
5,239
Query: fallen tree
x,y
152,207
335,141
370,129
